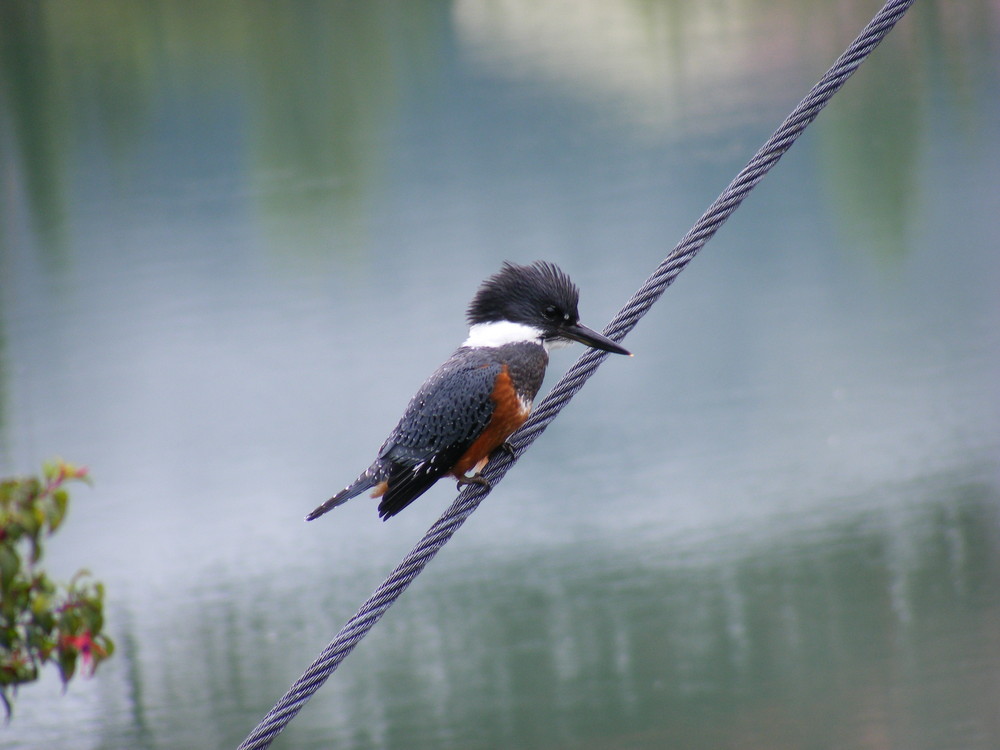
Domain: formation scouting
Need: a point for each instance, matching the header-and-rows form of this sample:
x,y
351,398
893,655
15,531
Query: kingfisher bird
x,y
483,392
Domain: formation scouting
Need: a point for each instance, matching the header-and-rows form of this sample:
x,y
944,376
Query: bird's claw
x,y
474,479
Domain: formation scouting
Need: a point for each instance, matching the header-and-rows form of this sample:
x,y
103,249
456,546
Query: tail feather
x,y
362,483
404,490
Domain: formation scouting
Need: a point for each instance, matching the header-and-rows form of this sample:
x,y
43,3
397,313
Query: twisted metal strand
x,y
500,463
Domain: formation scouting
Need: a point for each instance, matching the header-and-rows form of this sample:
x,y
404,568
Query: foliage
x,y
41,621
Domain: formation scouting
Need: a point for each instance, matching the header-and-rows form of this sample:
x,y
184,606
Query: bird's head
x,y
535,302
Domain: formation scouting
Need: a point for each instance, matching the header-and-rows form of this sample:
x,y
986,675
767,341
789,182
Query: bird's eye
x,y
551,312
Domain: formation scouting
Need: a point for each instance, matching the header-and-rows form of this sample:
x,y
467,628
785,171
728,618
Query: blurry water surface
x,y
234,238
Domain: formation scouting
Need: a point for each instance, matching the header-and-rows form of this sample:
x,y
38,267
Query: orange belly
x,y
508,414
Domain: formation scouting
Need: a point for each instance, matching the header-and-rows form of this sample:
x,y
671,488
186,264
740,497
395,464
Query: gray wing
x,y
444,418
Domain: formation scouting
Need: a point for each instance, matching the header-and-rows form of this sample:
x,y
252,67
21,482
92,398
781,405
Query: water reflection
x,y
316,90
233,239
844,632
311,90
770,648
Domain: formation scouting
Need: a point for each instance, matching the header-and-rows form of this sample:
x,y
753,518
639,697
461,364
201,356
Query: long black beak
x,y
584,335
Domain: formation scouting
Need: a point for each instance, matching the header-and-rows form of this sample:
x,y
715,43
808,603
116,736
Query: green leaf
x,y
67,664
49,469
41,622
10,564
57,511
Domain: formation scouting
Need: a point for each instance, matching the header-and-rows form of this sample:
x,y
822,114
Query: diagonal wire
x,y
500,463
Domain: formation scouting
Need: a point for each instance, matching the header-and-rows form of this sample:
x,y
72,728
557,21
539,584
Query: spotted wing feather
x,y
441,421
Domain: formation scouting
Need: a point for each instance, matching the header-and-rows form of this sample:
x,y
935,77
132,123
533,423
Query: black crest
x,y
526,294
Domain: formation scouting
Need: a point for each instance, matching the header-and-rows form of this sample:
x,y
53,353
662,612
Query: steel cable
x,y
468,500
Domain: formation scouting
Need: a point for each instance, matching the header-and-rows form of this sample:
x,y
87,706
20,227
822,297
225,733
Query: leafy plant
x,y
41,621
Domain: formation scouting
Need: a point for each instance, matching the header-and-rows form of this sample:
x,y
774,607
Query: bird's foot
x,y
507,448
474,479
